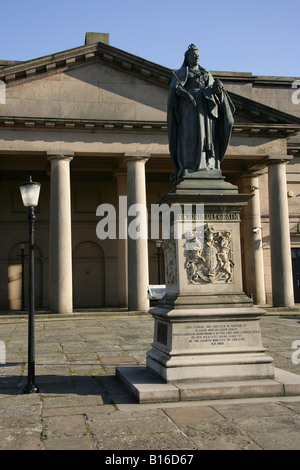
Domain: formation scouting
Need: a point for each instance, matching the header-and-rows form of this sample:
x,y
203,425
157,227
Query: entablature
x,y
241,129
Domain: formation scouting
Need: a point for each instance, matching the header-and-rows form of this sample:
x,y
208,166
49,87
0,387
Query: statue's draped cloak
x,y
198,136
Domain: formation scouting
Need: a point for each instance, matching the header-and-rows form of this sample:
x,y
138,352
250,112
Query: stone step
x,y
147,388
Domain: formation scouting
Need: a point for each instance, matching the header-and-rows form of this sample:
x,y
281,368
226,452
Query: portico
x,y
89,140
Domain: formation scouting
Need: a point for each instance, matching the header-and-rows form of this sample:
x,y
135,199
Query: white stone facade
x,y
90,125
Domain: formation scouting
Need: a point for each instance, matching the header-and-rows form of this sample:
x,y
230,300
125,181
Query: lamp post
x,y
30,192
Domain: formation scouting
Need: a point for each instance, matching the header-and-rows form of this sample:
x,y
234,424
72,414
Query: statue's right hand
x,y
192,99
181,91
185,94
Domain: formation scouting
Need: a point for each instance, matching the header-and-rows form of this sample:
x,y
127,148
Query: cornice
x,y
89,125
263,130
254,80
293,148
12,72
267,120
38,123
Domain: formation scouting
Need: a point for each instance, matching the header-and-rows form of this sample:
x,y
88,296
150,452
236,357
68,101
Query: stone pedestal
x,y
208,344
206,328
207,337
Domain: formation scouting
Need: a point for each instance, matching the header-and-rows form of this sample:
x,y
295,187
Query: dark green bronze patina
x,y
200,118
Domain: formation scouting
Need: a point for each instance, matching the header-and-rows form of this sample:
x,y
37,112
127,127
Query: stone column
x,y
281,264
121,176
60,291
253,249
138,275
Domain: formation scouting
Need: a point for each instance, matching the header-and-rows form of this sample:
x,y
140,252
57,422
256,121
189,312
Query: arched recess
x,y
88,276
14,276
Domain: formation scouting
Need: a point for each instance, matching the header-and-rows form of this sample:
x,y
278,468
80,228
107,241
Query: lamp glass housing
x,y
30,192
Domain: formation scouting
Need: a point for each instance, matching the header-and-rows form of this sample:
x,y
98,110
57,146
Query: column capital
x,y
278,159
250,181
136,157
68,156
250,175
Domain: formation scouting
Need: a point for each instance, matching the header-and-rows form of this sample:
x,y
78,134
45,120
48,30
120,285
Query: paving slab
x,y
82,405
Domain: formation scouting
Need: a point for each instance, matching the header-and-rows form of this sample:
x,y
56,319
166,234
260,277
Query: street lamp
x,y
30,192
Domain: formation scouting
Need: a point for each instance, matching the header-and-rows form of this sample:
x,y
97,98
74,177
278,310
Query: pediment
x,y
99,52
89,91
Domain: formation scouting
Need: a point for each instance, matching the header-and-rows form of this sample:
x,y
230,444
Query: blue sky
x,y
261,37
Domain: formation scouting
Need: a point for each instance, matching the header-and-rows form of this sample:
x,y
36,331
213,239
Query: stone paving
x,y
82,406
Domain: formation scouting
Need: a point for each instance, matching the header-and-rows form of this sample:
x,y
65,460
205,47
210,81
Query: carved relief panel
x,y
208,258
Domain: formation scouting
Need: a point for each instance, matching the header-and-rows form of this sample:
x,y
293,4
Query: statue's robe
x,y
198,135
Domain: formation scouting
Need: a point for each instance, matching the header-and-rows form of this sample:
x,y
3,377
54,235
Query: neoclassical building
x,y
89,124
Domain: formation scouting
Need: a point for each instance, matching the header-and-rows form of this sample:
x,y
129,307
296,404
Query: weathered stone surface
x,y
206,328
98,412
147,388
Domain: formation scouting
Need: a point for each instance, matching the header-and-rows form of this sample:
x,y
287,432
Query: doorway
x,y
296,273
88,276
18,290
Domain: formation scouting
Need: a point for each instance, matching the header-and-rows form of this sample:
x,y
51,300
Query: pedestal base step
x,y
147,388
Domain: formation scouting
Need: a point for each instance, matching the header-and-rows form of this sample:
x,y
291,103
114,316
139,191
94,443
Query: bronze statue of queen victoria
x,y
200,118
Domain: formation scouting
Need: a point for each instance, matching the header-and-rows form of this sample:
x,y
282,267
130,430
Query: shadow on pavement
x,y
108,387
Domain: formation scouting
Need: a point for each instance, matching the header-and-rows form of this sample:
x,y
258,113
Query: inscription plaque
x,y
220,334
